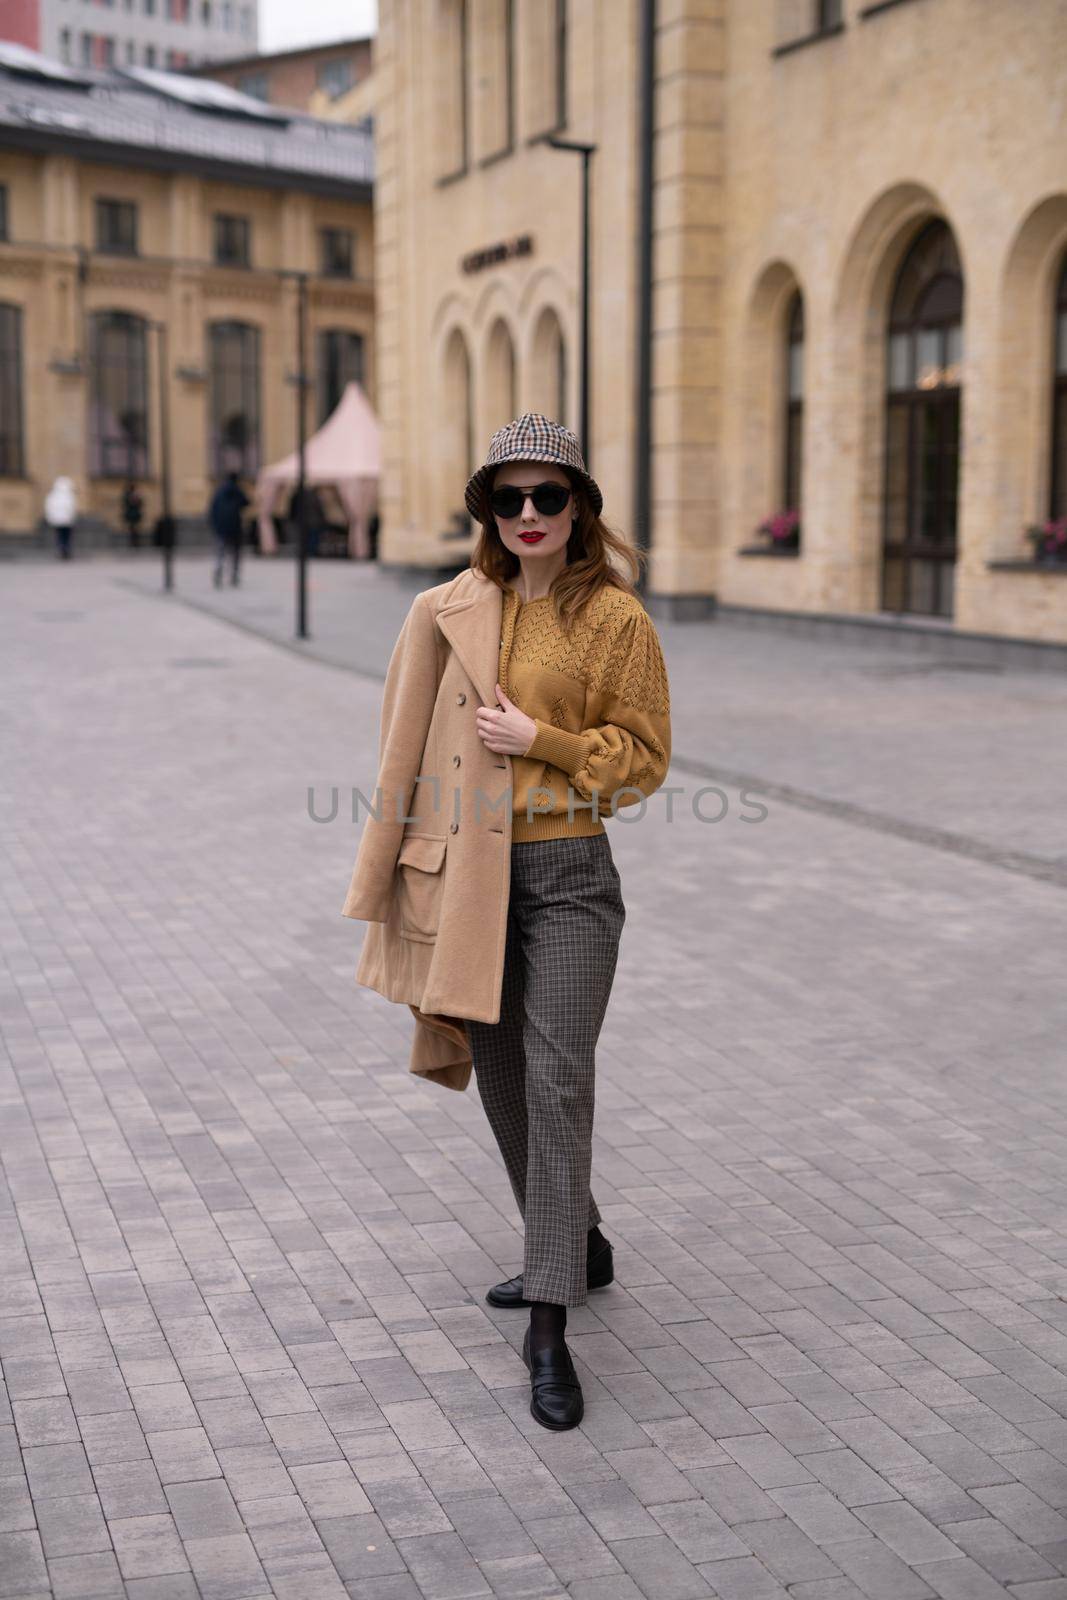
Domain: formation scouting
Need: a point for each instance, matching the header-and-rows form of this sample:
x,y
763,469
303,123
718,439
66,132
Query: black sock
x,y
547,1322
595,1240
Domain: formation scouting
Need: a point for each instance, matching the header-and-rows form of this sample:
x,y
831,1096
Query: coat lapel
x,y
471,625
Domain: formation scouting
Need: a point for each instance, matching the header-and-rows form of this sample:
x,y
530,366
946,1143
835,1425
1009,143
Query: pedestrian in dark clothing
x,y
227,505
132,513
315,517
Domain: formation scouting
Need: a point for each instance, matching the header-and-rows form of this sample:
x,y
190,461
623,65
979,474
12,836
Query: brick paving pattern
x,y
242,1335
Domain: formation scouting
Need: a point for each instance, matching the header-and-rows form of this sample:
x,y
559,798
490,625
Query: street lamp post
x,y
301,434
165,528
586,151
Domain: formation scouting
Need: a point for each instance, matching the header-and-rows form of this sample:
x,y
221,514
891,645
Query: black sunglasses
x,y
549,499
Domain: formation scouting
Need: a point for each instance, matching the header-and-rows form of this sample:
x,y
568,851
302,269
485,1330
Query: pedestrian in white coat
x,y
61,512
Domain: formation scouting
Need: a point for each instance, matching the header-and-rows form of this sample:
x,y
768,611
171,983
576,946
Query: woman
x,y
60,512
582,720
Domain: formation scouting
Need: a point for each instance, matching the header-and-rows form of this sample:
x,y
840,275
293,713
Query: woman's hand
x,y
509,732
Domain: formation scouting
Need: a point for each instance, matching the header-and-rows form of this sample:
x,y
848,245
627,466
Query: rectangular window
x,y
11,447
336,253
64,44
131,52
149,55
543,59
233,241
798,21
116,227
149,10
257,84
234,349
336,77
450,66
118,395
493,132
340,363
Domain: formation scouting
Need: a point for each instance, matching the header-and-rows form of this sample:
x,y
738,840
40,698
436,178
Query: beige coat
x,y
433,871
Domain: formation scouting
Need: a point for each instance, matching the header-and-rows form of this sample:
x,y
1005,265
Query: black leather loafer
x,y
600,1271
556,1400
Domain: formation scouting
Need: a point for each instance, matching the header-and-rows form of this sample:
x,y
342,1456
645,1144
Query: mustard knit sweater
x,y
601,700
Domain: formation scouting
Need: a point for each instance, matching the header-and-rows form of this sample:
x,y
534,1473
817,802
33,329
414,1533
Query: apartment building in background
x,y
154,230
319,76
146,33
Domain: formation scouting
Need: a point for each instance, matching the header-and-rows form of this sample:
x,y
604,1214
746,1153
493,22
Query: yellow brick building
x,y
853,307
151,235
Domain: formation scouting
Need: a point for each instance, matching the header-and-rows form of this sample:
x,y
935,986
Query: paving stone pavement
x,y
242,1334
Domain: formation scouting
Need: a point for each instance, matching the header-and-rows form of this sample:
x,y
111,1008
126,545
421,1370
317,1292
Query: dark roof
x,y
170,121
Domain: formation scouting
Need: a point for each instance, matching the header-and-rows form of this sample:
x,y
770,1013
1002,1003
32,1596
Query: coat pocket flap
x,y
422,851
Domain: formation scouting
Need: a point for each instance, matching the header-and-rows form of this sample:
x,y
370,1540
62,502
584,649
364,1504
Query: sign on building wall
x,y
478,260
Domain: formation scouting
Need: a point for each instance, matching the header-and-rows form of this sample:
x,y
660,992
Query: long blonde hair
x,y
590,551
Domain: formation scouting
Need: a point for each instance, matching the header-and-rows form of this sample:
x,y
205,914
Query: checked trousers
x,y
535,1068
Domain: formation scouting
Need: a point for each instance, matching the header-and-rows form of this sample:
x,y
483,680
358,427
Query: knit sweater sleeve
x,y
630,749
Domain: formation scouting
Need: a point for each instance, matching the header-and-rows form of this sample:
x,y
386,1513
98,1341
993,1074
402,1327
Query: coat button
x,y
453,827
461,699
455,761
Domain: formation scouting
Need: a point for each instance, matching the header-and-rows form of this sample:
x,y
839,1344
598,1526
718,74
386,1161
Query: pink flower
x,y
782,525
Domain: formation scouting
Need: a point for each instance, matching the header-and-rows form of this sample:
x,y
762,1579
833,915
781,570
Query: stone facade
x,y
798,148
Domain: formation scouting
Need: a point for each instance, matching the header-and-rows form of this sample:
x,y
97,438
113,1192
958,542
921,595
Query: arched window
x,y
340,362
455,437
234,411
499,379
794,405
11,440
1058,490
118,395
548,374
923,358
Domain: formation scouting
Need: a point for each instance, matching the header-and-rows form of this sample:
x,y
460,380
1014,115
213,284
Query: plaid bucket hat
x,y
532,437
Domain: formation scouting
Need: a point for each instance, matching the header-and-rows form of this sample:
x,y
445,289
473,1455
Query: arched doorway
x,y
925,350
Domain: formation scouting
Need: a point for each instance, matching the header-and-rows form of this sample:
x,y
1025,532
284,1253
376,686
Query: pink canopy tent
x,y
346,454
